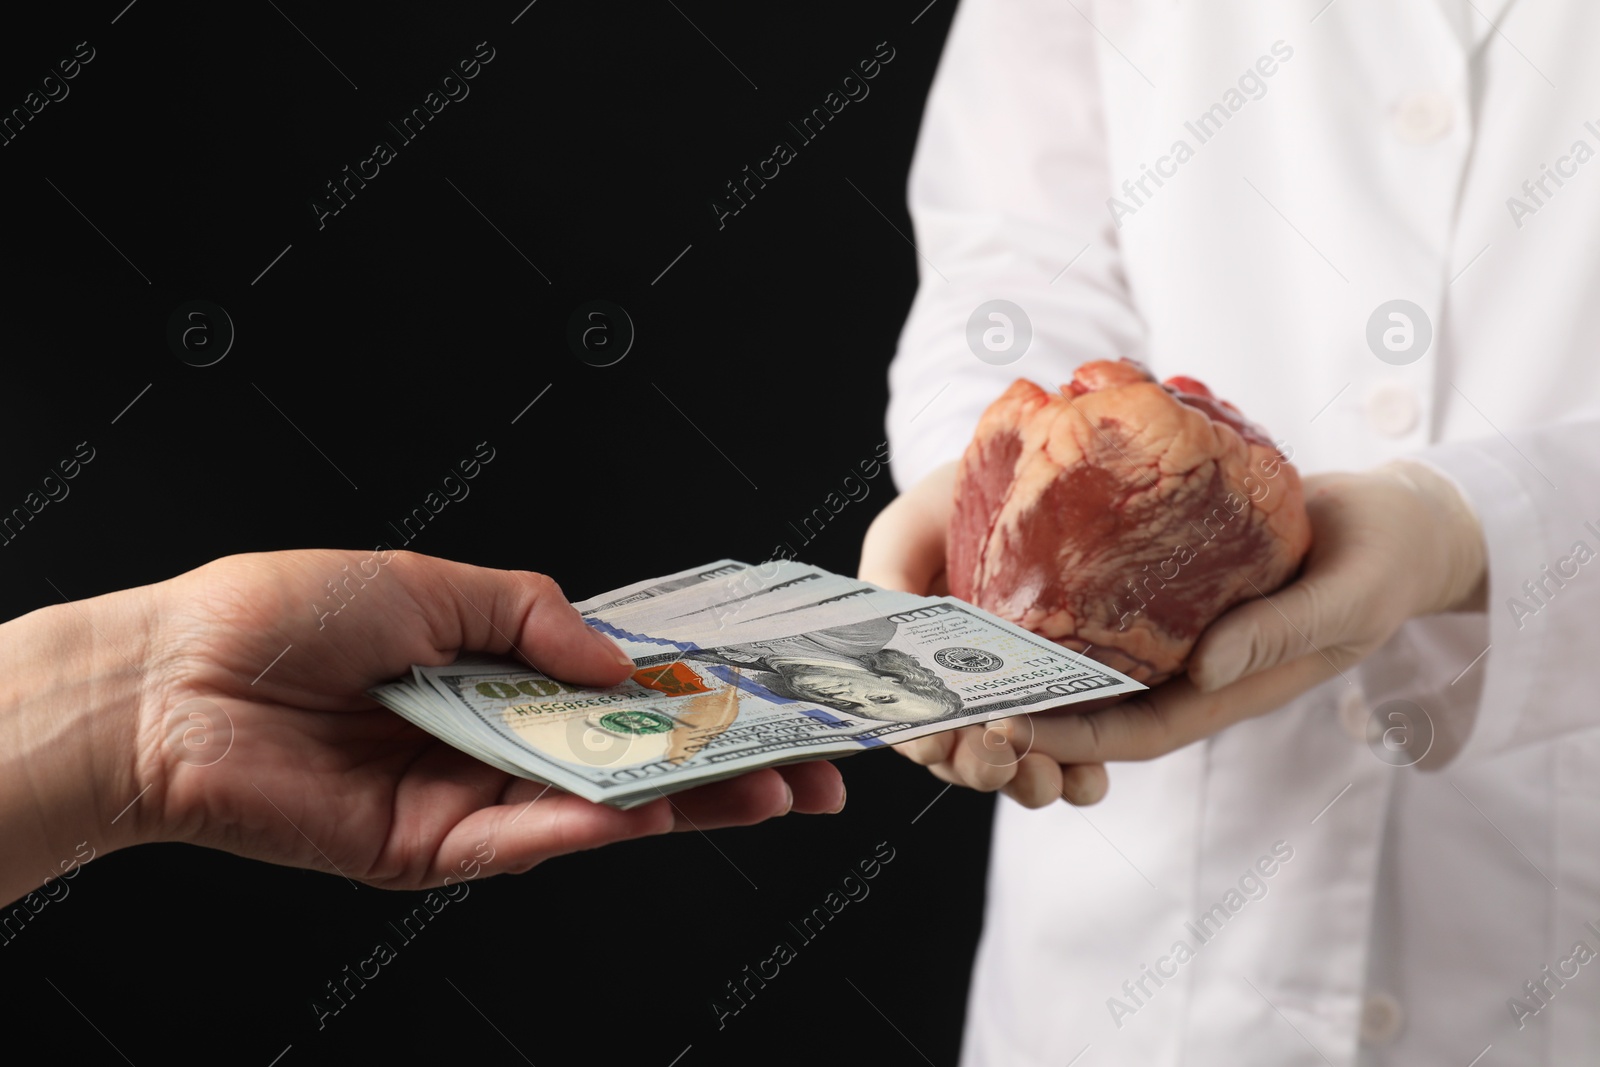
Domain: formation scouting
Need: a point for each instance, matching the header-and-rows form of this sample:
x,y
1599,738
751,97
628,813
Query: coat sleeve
x,y
1008,196
1536,493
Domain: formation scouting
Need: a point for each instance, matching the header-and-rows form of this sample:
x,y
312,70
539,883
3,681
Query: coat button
x,y
1354,714
1423,117
1392,409
1381,1019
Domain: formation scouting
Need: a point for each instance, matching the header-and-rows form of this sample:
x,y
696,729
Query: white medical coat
x,y
1398,149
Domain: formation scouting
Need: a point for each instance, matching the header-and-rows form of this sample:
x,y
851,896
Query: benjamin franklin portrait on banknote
x,y
846,668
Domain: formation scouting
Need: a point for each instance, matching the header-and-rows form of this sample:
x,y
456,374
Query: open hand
x,y
1387,545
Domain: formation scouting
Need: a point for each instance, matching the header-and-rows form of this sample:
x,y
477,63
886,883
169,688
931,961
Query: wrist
x,y
1452,556
68,721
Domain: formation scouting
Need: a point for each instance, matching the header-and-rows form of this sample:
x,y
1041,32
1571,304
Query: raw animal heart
x,y
1122,515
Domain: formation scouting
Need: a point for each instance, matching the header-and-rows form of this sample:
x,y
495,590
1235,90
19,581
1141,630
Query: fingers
x,y
1172,715
985,757
1041,781
742,801
1137,728
904,546
1037,782
1257,635
813,788
1369,551
1084,783
1035,758
903,549
1065,755
929,750
809,788
508,612
818,787
535,824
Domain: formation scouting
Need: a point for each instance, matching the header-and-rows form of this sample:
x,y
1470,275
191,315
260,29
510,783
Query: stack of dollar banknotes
x,y
741,666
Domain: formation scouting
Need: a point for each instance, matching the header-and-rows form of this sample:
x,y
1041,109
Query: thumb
x,y
518,613
1258,634
905,545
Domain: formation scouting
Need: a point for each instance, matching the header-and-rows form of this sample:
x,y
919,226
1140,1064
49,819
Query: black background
x,y
378,351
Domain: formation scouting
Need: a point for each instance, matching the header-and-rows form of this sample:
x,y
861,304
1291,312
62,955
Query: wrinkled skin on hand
x,y
1121,516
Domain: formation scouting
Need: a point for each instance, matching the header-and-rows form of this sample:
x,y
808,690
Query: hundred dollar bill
x,y
727,597
411,703
651,588
787,597
763,695
819,608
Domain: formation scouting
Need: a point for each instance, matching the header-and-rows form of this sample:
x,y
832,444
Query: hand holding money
x,y
738,667
226,708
